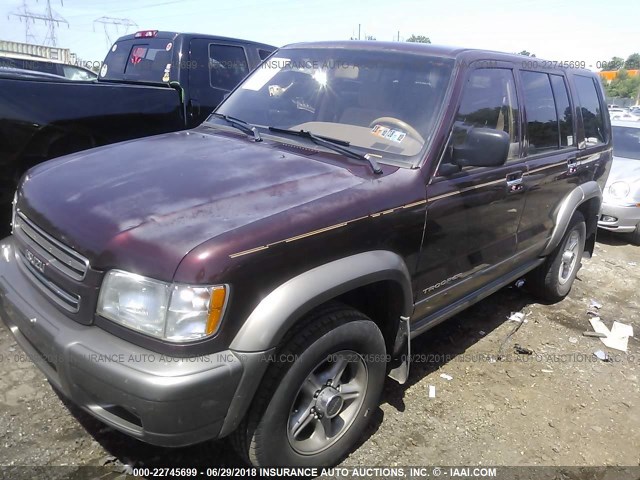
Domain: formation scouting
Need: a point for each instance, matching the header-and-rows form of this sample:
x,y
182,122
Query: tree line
x,y
624,85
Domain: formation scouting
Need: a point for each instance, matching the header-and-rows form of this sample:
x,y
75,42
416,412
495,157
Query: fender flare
x,y
567,208
284,306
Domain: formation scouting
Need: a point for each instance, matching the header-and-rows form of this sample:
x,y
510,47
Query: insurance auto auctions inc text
x,y
379,472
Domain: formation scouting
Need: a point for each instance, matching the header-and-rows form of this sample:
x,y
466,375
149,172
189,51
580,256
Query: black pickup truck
x,y
151,82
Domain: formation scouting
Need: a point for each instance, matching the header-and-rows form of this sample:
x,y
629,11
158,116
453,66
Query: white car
x,y
621,204
619,113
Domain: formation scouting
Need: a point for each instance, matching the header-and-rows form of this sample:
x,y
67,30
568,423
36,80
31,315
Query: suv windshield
x,y
626,142
379,102
139,59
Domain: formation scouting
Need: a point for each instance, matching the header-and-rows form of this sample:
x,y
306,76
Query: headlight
x,y
619,189
178,313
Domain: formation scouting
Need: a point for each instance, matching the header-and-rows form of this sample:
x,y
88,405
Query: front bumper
x,y
158,399
627,217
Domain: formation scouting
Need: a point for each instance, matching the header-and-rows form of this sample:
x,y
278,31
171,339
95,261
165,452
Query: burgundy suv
x,y
260,275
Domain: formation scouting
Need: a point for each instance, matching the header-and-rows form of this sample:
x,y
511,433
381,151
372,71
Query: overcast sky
x,y
578,30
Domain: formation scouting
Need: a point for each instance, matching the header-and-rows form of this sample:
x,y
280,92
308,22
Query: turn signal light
x,y
215,308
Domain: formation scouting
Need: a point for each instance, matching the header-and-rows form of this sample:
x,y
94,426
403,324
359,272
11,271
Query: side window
x,y
488,101
46,67
542,119
227,66
563,107
591,112
263,54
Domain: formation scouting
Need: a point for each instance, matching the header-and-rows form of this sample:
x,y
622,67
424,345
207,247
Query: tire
x,y
552,280
278,430
635,235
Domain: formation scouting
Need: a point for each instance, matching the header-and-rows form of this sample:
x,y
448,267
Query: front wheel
x,y
318,396
553,279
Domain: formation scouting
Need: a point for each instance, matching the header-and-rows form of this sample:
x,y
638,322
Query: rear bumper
x,y
626,217
158,399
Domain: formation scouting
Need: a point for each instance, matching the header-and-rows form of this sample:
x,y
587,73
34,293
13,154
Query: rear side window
x,y
591,112
542,118
563,107
227,66
27,64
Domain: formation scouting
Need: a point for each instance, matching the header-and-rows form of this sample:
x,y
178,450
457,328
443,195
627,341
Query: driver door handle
x,y
514,181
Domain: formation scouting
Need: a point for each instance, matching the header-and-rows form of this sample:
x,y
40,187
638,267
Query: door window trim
x,y
582,145
483,64
574,120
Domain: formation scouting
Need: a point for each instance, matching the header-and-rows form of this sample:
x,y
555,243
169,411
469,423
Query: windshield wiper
x,y
246,127
332,144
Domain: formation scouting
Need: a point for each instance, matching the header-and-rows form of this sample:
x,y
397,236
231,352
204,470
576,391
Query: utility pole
x,y
358,31
398,35
117,22
51,18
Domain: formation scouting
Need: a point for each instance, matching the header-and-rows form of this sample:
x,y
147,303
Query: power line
x,y
50,17
117,23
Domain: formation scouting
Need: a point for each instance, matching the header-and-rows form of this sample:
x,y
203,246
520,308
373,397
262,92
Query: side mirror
x,y
484,147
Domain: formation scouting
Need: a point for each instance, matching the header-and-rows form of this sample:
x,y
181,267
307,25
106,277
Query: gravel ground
x,y
549,408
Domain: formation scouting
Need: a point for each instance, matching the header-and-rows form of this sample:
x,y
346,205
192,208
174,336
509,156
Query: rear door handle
x,y
514,182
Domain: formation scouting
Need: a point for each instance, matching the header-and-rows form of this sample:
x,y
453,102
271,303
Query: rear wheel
x,y
318,396
553,279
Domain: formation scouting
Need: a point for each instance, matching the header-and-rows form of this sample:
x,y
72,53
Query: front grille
x,y
43,252
57,255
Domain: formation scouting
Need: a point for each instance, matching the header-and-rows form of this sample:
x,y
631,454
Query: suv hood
x,y
143,205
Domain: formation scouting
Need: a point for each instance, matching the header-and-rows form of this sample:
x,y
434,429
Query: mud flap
x,y
401,352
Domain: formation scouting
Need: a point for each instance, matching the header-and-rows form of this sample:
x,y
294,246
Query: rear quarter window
x,y
591,110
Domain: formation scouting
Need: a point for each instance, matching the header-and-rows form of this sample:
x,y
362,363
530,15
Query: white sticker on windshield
x,y
103,70
168,47
113,49
264,73
388,133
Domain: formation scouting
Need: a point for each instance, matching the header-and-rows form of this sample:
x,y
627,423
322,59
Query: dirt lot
x,y
549,408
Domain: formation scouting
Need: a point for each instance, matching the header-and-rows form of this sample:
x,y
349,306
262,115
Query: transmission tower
x,y
125,23
50,17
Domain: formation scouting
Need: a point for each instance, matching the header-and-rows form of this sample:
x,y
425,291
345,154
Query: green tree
x,y
418,39
623,86
616,63
632,62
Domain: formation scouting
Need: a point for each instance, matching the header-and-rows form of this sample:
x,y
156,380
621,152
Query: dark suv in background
x,y
261,274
